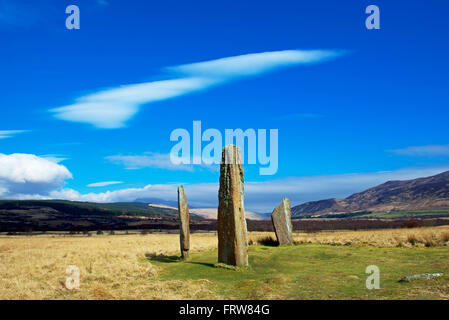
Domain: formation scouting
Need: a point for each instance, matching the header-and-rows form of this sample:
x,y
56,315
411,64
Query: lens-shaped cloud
x,y
111,108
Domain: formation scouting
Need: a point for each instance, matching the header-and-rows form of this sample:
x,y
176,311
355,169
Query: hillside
x,y
429,193
72,207
16,215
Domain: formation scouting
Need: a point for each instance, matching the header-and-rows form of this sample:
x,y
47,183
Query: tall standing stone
x,y
282,222
232,234
184,227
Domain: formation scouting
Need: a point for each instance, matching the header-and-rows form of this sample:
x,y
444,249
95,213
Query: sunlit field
x,y
327,265
413,237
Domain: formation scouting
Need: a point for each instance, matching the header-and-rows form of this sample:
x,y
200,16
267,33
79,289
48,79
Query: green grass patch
x,y
310,271
405,214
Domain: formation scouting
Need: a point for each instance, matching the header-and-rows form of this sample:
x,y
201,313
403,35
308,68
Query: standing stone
x,y
282,222
232,235
183,223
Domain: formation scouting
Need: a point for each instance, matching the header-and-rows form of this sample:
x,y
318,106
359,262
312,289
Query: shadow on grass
x,y
162,258
211,265
268,241
173,259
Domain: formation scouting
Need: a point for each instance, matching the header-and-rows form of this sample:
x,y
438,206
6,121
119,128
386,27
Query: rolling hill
x,y
72,207
23,215
429,193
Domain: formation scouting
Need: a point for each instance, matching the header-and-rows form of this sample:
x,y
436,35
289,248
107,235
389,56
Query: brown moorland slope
x,y
429,193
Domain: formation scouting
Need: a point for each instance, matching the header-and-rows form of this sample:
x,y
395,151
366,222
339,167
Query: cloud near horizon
x,y
429,150
30,177
261,197
104,184
28,174
111,108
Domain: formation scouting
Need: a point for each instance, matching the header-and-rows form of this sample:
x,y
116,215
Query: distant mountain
x,y
173,204
211,213
428,193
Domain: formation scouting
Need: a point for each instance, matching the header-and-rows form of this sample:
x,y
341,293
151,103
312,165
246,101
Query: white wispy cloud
x,y
148,160
155,160
104,183
122,195
253,64
10,133
56,158
429,150
111,108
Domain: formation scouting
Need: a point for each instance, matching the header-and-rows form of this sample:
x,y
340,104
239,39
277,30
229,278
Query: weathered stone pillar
x,y
282,222
232,234
184,228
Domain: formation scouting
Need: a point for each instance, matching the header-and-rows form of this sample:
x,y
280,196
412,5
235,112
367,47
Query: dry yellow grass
x,y
116,267
415,237
112,267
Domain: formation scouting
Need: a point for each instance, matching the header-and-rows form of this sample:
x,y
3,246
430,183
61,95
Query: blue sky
x,y
377,110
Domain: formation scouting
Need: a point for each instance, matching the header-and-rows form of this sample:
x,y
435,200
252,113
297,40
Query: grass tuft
x,y
230,267
412,239
266,240
444,236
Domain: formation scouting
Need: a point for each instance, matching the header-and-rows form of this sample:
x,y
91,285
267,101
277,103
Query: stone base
x,y
184,254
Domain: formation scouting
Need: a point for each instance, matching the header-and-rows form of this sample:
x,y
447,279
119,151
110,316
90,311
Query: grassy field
x,y
407,214
327,265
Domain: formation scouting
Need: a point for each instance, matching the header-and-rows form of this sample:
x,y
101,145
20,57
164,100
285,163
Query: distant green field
x,y
403,214
312,271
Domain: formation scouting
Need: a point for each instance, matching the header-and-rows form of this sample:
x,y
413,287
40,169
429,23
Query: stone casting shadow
x,y
171,259
211,265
